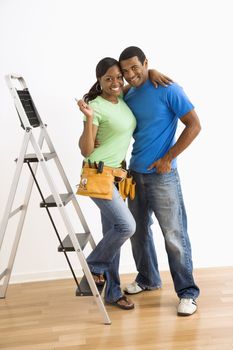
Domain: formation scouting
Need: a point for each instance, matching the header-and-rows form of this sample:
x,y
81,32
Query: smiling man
x,y
154,168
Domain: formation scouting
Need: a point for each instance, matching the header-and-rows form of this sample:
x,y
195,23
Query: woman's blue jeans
x,y
118,225
161,194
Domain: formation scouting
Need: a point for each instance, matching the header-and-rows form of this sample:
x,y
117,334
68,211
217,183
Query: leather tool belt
x,y
97,180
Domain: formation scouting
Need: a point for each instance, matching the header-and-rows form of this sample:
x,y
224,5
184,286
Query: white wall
x,y
55,45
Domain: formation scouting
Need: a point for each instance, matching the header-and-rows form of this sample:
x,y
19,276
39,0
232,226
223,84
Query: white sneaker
x,y
134,288
186,307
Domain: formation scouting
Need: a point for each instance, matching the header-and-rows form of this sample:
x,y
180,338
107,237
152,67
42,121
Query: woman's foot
x,y
124,303
99,279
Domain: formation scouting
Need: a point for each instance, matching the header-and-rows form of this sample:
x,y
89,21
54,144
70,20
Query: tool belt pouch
x,y
96,185
127,187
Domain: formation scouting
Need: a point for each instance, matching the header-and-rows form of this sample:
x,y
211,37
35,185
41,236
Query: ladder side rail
x,y
68,186
3,288
14,185
71,232
11,260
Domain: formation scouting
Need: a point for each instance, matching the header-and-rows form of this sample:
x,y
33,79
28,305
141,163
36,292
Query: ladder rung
x,y
82,238
4,273
16,210
50,202
85,289
32,157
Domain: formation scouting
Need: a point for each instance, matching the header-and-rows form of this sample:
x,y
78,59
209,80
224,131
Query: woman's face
x,y
111,83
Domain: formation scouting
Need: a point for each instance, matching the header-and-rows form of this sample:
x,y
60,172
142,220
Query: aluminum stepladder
x,y
30,119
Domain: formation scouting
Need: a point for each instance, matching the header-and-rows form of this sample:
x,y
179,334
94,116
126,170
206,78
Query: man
x,y
153,166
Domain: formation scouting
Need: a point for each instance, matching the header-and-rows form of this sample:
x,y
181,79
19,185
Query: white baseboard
x,y
43,276
63,274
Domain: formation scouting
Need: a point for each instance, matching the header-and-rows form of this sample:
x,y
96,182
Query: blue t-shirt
x,y
157,111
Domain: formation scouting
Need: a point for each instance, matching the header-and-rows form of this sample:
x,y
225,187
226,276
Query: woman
x,y
109,120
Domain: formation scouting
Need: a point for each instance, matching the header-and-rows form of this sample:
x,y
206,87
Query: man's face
x,y
135,73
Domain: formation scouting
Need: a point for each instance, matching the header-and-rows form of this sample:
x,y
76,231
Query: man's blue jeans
x,y
161,194
118,225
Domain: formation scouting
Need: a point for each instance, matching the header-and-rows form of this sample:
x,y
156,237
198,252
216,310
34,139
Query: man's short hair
x,y
132,51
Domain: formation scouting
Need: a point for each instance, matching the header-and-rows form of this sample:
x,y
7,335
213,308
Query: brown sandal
x,y
99,279
124,303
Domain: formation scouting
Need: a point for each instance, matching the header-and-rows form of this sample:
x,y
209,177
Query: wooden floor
x,y
47,315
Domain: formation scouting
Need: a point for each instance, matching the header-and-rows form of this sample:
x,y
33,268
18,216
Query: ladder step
x,y
50,201
82,238
85,289
32,157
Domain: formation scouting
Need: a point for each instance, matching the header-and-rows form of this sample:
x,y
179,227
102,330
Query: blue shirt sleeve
x,y
178,101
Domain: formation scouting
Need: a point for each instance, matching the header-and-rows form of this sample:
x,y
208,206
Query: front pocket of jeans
x,y
167,177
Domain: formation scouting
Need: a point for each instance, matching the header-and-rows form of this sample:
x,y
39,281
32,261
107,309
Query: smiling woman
x,y
108,118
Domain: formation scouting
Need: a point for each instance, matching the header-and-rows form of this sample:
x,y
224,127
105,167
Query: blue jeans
x,y
161,194
118,225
